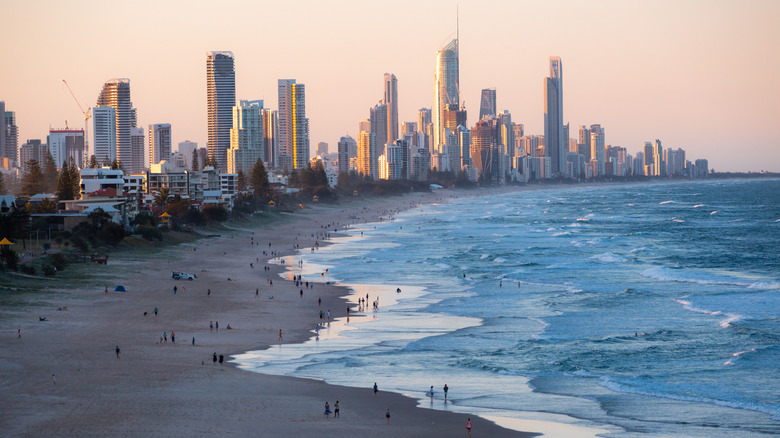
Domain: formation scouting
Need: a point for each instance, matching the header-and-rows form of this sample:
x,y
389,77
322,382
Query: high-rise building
x,y
364,125
322,148
11,149
116,94
378,116
584,143
2,130
293,124
597,149
446,90
32,150
410,129
220,100
246,137
346,145
391,99
137,151
555,145
367,158
271,139
484,151
104,132
159,142
188,149
65,144
487,104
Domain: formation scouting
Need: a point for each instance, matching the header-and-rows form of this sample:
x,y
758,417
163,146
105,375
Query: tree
x,y
75,178
161,198
33,181
195,160
50,174
258,179
320,177
240,181
93,164
99,218
116,165
68,182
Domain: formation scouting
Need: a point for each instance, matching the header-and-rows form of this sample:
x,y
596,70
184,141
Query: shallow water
x,y
626,310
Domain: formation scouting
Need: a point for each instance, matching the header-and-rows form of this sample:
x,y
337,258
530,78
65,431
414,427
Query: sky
x,y
700,75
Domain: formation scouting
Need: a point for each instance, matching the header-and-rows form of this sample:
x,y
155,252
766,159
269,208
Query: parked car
x,y
182,276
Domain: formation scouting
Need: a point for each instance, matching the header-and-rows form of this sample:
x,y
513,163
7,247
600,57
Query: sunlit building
x,y
220,100
293,126
446,90
391,99
555,144
487,103
104,131
116,94
246,137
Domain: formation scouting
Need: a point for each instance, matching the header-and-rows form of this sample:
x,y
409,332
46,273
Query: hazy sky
x,y
701,75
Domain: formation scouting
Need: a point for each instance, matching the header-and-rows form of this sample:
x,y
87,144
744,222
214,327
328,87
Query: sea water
x,y
619,310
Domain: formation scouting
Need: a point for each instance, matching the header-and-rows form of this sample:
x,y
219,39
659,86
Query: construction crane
x,y
87,116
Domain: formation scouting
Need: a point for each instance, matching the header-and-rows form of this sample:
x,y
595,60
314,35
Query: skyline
x,y
685,74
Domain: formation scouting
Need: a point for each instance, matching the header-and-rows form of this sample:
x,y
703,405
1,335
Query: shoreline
x,y
171,389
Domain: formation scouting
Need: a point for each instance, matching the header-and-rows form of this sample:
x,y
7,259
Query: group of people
x,y
335,410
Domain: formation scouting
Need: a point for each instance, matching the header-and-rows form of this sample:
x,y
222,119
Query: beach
x,y
156,387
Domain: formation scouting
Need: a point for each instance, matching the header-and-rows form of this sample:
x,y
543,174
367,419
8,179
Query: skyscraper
x,y
293,124
270,135
11,150
220,100
346,144
159,142
116,94
367,157
65,144
137,151
484,150
391,99
2,130
188,149
246,137
487,104
378,116
555,147
104,131
446,90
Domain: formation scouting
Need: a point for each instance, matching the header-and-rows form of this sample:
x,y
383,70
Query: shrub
x,y
48,270
150,233
27,269
9,257
59,261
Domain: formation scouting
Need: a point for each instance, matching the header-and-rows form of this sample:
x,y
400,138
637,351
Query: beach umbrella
x,y
120,288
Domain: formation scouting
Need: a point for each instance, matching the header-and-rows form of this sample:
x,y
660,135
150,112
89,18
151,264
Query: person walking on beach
x,y
217,325
468,427
336,410
431,392
446,388
20,334
214,358
327,410
280,335
53,379
221,358
173,337
117,351
193,341
376,389
387,415
211,326
155,311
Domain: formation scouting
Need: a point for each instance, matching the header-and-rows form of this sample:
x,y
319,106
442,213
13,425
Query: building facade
x,y
293,126
446,89
246,137
220,100
116,94
555,145
159,142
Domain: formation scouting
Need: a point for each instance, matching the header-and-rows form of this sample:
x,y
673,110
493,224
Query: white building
x,y
159,142
246,137
104,131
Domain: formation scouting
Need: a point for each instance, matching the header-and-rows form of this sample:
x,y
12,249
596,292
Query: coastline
x,y
173,389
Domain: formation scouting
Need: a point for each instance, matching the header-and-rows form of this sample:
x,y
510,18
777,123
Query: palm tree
x,y
161,198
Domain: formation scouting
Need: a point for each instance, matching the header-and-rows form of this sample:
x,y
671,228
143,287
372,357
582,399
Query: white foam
x,y
698,205
666,202
716,211
484,256
704,278
608,257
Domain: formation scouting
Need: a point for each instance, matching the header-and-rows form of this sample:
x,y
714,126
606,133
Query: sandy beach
x,y
155,387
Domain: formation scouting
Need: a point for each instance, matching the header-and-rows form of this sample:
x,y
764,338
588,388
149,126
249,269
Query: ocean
x,y
615,310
